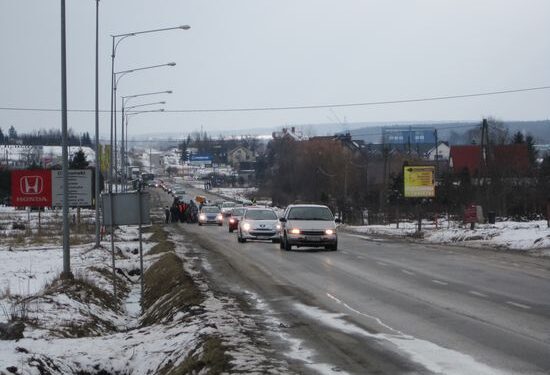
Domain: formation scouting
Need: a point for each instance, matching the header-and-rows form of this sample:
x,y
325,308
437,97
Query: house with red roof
x,y
512,160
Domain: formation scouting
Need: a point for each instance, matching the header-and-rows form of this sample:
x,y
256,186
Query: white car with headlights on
x,y
308,225
259,224
210,215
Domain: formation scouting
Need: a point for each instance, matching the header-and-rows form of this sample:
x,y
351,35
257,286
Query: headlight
x,y
232,221
278,226
295,231
330,232
246,226
202,217
219,217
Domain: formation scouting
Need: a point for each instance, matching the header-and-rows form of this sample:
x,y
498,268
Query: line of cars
x,y
300,225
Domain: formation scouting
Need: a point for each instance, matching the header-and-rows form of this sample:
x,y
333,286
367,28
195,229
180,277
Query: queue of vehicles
x,y
301,225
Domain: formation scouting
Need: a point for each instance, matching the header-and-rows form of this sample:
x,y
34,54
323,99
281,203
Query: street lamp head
x,y
185,27
168,92
171,64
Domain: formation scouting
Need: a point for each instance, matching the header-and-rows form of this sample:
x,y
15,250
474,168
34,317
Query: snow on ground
x,y
116,340
436,359
532,236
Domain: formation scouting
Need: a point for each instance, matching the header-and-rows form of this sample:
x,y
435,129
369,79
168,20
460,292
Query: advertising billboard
x,y
31,187
419,181
44,188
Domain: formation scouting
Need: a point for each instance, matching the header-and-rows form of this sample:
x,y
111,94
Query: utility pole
x,y
65,153
436,153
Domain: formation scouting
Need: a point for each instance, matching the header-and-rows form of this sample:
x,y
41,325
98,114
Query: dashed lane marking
x,y
479,294
408,272
382,263
440,282
521,306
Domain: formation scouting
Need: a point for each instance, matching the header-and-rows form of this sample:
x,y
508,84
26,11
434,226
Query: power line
x,y
302,107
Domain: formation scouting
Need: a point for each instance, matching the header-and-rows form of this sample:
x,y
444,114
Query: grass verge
x,y
210,356
168,290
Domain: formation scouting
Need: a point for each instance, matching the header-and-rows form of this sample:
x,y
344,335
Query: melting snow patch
x,y
435,358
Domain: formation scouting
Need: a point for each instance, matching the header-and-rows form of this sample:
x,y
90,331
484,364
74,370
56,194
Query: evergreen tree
x,y
1,136
79,161
531,150
518,138
12,133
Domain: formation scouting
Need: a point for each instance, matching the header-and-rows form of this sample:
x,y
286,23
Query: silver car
x,y
259,224
309,225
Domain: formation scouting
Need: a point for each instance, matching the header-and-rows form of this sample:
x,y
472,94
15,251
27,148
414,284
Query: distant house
x,y
240,154
505,159
465,158
442,150
291,134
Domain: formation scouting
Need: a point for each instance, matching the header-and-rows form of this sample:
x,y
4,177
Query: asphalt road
x,y
382,306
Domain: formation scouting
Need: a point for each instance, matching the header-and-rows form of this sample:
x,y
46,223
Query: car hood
x,y
311,224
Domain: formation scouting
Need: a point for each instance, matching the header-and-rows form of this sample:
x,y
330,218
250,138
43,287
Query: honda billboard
x,y
31,188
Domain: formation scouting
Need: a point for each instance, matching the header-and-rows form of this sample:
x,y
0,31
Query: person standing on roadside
x,y
167,215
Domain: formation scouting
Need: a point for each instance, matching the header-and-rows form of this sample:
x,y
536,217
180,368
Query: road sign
x,y
31,188
80,188
419,181
126,208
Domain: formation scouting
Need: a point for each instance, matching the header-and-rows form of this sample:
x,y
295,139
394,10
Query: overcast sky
x,y
280,53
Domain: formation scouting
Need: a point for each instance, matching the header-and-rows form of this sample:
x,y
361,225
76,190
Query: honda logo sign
x,y
31,188
31,185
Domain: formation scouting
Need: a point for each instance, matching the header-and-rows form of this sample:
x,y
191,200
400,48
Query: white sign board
x,y
80,188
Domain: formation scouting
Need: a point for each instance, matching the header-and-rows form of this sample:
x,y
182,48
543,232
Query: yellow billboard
x,y
419,181
105,158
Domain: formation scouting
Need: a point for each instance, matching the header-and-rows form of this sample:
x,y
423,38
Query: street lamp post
x,y
118,77
124,143
141,277
97,157
116,41
139,95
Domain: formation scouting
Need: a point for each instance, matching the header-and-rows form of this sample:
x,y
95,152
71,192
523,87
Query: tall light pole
x,y
129,97
118,77
116,41
129,114
65,154
124,146
97,153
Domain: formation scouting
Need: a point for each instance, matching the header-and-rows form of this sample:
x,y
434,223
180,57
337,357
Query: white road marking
x,y
408,272
521,306
440,282
479,294
382,263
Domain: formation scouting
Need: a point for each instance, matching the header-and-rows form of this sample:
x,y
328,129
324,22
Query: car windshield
x,y
228,204
210,210
237,212
260,215
310,213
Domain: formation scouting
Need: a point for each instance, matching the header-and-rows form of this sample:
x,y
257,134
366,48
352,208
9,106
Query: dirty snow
x,y
532,236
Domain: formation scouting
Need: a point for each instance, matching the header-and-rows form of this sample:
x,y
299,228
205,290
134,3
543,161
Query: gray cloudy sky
x,y
253,53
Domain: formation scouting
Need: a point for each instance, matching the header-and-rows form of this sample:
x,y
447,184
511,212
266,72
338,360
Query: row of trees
x,y
352,181
50,137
